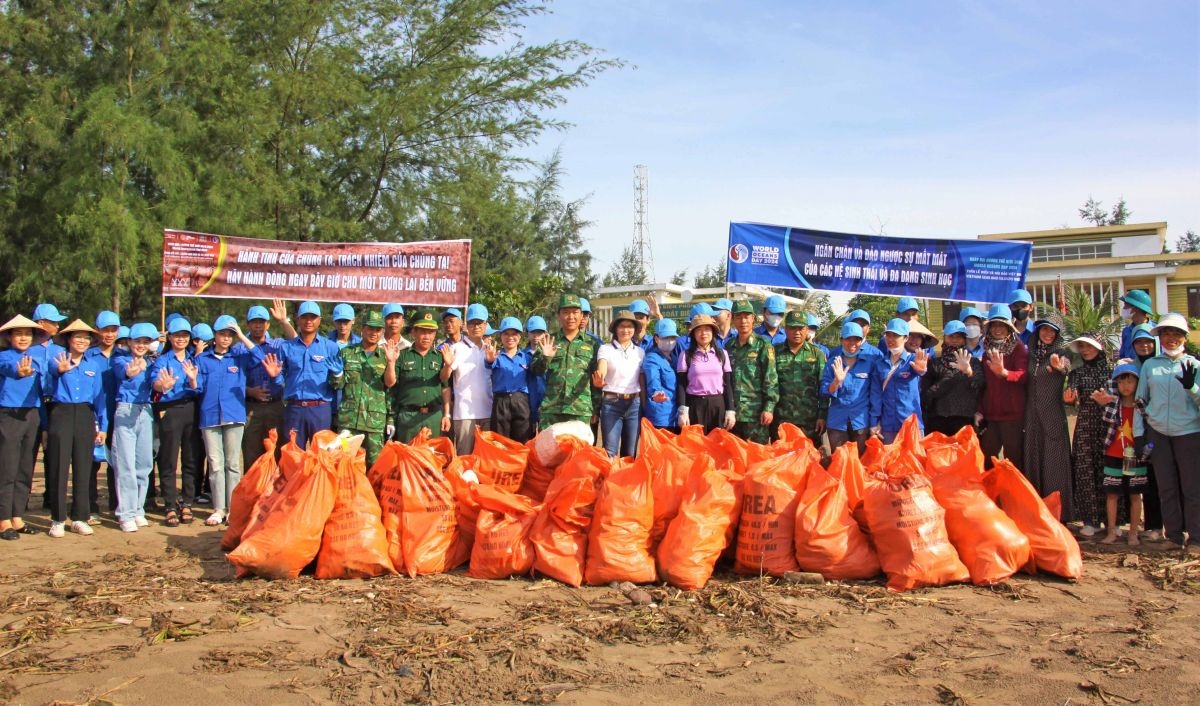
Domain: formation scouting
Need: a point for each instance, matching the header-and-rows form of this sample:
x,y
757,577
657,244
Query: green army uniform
x,y
417,395
755,383
366,402
570,395
799,376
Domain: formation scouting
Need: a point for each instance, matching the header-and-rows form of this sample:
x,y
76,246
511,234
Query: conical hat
x,y
73,327
19,321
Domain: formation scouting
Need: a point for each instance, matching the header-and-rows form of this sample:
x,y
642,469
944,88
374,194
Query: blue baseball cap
x,y
225,321
953,327
851,330
585,306
510,323
639,306
1143,331
343,312
700,308
859,314
489,331
171,317
897,326
47,312
969,311
723,304
393,308
535,323
258,313
143,330
477,312
122,332
306,308
179,325
775,304
107,318
812,321
1019,295
203,332
1126,369
906,304
666,328
452,311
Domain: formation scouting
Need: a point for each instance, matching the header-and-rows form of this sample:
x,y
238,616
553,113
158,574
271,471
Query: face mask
x,y
772,320
974,332
665,346
1126,313
1172,352
1021,314
154,347
896,351
811,335
850,356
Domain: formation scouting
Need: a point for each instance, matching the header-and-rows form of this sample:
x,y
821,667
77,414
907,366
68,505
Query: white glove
x,y
877,431
390,430
730,419
683,419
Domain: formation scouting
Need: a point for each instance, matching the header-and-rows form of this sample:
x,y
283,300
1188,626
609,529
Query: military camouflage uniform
x,y
365,407
799,383
417,395
755,385
569,392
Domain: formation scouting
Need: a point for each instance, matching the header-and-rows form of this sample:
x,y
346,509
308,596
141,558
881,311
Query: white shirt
x,y
624,368
472,382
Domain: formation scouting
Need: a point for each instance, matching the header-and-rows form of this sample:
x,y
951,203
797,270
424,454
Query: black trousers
x,y
707,410
177,449
69,450
947,425
510,415
1009,436
18,431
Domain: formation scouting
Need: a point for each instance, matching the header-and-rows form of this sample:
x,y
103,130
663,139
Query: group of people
x,y
197,396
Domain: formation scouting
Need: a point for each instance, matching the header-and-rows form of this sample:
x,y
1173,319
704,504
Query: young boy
x,y
1124,467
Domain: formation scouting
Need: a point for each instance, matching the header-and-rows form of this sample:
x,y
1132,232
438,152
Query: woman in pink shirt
x,y
706,380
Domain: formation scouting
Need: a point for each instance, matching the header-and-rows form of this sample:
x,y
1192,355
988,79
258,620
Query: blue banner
x,y
799,258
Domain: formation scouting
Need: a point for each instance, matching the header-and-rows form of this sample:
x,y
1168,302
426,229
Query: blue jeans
x,y
133,451
223,447
619,423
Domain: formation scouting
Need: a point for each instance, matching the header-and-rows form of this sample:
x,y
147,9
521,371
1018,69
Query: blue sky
x,y
925,119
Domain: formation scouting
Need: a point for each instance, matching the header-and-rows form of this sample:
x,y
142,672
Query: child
x,y
133,427
21,376
510,383
1124,468
660,376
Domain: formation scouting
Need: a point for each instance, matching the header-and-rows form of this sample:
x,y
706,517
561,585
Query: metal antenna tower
x,y
641,225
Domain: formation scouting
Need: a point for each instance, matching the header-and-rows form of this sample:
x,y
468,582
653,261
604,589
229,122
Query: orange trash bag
x,y
259,480
428,515
537,477
289,534
908,528
502,546
498,460
987,541
442,446
466,508
619,538
354,545
1054,504
1054,550
766,529
696,537
828,539
559,532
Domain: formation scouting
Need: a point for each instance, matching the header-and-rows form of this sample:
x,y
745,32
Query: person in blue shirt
x,y
814,325
535,330
21,380
133,427
585,307
343,335
863,319
308,361
846,382
264,396
1021,306
78,424
218,377
175,410
509,368
48,318
107,332
1138,311
202,336
896,383
772,326
972,320
723,313
907,310
641,311
660,405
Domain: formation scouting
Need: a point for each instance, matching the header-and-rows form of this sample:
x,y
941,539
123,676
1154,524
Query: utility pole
x,y
641,225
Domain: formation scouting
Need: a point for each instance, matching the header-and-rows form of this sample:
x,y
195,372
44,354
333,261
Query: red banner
x,y
428,273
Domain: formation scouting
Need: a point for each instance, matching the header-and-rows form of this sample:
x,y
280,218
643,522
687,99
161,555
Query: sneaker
x,y
1089,531
81,527
93,520
204,499
141,521
129,526
1152,536
57,529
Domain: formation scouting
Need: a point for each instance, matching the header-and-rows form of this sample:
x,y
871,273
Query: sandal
x,y
172,518
214,519
185,515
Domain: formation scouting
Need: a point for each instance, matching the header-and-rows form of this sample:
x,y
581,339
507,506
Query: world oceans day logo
x,y
739,253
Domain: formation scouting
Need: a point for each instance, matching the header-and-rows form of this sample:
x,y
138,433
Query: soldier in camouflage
x,y
567,359
369,372
755,385
421,398
799,363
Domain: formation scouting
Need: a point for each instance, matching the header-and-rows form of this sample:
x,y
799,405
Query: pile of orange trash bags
x,y
922,511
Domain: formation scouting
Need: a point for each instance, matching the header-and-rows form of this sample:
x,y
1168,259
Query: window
x,y
1193,294
1073,251
950,311
1101,292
